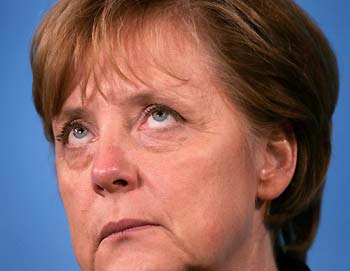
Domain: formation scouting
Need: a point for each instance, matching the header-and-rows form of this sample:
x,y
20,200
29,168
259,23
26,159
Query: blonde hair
x,y
276,63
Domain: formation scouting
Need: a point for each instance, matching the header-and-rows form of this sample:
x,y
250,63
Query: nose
x,y
113,172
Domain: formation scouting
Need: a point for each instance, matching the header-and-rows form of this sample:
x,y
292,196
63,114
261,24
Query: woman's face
x,y
157,176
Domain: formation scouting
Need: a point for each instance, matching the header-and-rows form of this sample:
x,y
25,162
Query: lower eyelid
x,y
166,130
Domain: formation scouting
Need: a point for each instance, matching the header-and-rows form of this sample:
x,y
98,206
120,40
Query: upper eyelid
x,y
71,114
84,123
154,107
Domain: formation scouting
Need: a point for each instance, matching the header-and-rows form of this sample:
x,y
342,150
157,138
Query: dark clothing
x,y
286,263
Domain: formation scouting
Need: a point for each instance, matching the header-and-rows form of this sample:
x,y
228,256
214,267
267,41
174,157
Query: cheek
x,y
208,192
73,174
75,159
76,194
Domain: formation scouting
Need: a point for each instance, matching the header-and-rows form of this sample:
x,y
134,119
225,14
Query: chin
x,y
140,261
138,254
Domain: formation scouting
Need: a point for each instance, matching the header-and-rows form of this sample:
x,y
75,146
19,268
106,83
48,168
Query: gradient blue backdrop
x,y
33,230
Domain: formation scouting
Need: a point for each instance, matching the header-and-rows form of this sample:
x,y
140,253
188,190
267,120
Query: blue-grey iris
x,y
79,132
160,115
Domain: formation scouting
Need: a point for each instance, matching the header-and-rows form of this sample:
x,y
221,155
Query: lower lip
x,y
128,232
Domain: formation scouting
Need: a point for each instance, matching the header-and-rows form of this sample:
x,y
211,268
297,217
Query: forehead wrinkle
x,y
179,102
114,89
145,97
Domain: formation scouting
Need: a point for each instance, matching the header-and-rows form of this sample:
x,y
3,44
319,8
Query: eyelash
x,y
67,128
146,113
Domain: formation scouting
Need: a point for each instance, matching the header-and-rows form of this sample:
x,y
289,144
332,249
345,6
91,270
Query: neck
x,y
257,253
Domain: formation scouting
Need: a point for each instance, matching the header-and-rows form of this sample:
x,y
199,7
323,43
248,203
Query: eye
x,y
75,134
161,117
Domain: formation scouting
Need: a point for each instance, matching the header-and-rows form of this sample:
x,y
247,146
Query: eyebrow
x,y
70,114
142,98
149,96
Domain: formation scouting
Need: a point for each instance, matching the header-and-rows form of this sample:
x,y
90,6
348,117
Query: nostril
x,y
120,182
98,189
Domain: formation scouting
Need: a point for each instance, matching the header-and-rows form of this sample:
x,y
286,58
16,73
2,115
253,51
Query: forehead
x,y
161,56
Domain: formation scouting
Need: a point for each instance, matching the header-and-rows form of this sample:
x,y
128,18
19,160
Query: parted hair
x,y
271,57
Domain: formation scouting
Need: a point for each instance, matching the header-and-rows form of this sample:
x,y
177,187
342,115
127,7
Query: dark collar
x,y
286,263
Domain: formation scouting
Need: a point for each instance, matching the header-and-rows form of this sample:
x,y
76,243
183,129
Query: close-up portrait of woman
x,y
186,135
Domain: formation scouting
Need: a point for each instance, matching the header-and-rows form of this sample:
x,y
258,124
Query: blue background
x,y
33,228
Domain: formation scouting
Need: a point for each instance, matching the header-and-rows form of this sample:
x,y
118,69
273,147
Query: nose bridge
x,y
112,169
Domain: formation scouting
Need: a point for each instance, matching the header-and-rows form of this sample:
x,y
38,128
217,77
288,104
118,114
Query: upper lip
x,y
122,225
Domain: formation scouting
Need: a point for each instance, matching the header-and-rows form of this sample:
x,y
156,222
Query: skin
x,y
195,176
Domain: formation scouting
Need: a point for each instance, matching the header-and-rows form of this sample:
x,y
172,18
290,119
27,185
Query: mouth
x,y
120,228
